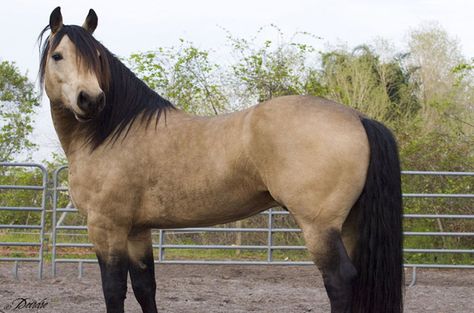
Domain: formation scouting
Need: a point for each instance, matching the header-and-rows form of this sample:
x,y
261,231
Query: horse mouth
x,y
82,119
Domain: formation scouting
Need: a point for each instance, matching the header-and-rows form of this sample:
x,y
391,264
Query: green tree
x,y
264,69
435,54
359,79
440,137
17,103
183,74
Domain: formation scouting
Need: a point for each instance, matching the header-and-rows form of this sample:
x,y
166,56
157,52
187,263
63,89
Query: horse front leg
x,y
142,269
110,243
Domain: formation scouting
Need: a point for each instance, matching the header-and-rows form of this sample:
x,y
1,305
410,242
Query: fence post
x,y
160,246
54,217
238,238
270,236
53,229
43,219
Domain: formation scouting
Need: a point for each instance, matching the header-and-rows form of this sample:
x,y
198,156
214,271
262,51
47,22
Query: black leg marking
x,y
142,275
338,273
114,281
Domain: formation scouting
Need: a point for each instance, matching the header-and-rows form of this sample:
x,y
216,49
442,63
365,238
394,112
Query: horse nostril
x,y
83,101
100,101
91,105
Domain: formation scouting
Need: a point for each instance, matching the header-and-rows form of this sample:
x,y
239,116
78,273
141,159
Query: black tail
x,y
378,257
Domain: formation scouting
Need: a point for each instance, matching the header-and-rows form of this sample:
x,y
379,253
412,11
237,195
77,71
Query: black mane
x,y
127,97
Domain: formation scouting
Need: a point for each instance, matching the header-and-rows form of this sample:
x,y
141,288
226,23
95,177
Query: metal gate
x,y
30,236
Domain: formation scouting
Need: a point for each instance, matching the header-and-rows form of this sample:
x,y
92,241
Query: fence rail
x,y
269,231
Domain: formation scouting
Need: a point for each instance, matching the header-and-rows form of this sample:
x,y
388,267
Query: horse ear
x,y
55,20
90,24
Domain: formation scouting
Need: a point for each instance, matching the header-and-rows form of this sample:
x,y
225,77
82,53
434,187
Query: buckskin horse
x,y
137,162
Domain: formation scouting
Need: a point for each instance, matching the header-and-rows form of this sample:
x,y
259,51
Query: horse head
x,y
74,69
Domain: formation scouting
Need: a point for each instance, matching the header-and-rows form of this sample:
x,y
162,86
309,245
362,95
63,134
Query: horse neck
x,y
66,127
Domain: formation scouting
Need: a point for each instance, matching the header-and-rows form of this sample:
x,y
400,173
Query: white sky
x,y
140,25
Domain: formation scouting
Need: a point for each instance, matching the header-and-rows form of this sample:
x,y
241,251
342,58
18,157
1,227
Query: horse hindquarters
x,y
358,250
372,236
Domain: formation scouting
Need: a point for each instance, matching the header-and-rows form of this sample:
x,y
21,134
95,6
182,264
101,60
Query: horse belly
x,y
206,211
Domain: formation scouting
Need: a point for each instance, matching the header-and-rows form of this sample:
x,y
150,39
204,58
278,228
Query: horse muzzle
x,y
91,106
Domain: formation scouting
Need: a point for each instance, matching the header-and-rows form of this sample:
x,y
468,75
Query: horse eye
x,y
57,56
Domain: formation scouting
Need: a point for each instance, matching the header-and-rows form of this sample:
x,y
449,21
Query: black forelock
x,y
90,52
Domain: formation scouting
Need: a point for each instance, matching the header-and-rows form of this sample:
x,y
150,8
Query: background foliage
x,y
18,99
423,93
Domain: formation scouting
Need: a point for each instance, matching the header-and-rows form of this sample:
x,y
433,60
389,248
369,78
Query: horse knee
x,y
142,269
144,287
142,266
114,300
114,284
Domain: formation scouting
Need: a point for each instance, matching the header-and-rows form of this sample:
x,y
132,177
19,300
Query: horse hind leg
x,y
330,256
321,215
338,274
349,233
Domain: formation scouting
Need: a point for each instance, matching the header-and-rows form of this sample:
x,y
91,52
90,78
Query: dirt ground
x,y
223,288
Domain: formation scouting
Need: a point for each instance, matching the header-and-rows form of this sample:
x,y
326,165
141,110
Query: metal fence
x,y
429,250
73,236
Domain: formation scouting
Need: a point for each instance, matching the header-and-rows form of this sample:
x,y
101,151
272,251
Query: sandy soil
x,y
214,288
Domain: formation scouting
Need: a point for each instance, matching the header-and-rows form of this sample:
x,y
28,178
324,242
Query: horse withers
x,y
136,162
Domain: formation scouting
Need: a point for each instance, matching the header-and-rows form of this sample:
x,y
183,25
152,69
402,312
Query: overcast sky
x,y
139,25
